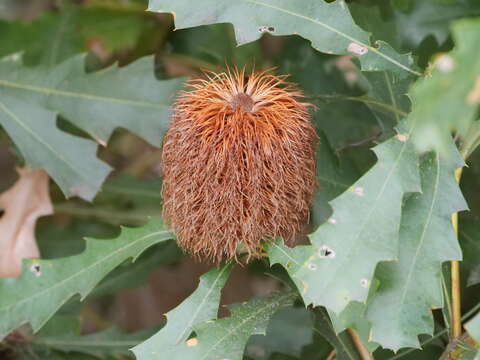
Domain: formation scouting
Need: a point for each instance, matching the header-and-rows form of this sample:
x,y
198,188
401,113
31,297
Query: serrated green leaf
x,y
448,99
46,285
70,160
223,338
329,26
362,231
410,287
201,306
99,102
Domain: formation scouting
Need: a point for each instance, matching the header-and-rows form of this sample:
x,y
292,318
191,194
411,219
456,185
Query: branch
x,y
362,350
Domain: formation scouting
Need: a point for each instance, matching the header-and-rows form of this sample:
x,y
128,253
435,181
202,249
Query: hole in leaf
x,y
36,269
326,252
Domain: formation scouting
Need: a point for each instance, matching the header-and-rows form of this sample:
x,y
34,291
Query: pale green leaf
x,y
201,306
448,100
45,285
363,231
329,26
410,287
223,338
473,327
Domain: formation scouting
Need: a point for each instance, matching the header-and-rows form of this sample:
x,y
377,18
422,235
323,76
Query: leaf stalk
x,y
362,350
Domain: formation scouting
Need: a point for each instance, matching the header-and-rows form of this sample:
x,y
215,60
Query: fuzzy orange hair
x,y
238,163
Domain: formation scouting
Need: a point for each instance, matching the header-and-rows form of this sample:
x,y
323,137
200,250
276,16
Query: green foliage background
x,y
85,93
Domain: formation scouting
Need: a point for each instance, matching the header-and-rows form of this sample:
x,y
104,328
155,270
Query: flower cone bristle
x,y
238,163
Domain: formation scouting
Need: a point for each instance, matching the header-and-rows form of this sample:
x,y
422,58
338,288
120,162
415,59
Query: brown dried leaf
x,y
23,204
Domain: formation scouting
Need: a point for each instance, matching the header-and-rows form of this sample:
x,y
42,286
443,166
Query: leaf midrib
x,y
79,95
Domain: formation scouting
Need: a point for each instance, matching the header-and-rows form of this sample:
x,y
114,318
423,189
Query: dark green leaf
x,y
289,330
345,349
448,99
63,333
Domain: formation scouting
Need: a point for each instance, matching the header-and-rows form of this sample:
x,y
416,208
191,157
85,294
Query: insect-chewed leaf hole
x,y
326,252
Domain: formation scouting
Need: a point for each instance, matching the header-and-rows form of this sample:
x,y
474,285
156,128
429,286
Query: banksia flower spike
x,y
238,163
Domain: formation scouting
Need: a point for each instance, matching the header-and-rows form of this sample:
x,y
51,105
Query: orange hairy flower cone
x,y
238,163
